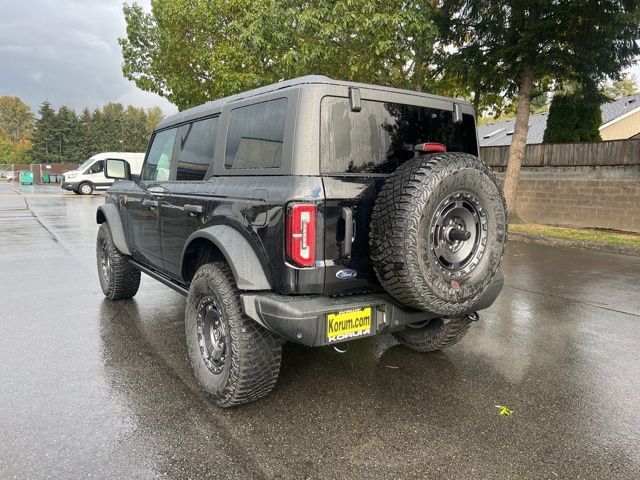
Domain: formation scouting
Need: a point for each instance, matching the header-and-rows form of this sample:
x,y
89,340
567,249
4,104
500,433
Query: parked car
x,y
9,175
313,211
90,175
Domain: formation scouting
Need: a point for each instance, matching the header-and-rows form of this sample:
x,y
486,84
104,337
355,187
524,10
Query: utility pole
x,y
121,122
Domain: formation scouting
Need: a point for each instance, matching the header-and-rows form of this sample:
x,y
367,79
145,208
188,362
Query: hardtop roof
x,y
215,106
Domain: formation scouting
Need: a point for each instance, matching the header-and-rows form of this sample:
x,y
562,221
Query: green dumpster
x,y
26,177
45,178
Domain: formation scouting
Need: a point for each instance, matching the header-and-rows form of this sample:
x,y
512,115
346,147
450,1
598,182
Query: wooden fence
x,y
612,153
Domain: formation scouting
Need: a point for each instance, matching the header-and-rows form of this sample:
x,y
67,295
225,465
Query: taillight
x,y
301,234
430,147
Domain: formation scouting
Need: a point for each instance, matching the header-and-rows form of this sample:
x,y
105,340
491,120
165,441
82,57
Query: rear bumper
x,y
303,319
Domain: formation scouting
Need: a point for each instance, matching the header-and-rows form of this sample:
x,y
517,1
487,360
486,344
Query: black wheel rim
x,y
105,262
458,234
212,334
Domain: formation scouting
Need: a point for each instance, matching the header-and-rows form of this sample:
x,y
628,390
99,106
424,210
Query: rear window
x,y
197,143
256,135
382,135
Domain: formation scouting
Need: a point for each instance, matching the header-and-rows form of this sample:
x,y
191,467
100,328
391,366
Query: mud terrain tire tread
x,y
251,370
125,279
436,335
395,228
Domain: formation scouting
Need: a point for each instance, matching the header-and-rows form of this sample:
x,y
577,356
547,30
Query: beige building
x,y
627,125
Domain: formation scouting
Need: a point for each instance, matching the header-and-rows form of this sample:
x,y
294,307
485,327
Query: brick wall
x,y
599,189
591,203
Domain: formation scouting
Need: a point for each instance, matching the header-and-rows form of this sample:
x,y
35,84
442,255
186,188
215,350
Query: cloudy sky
x,y
66,51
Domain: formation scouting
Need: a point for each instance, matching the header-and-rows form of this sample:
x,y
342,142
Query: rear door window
x,y
256,135
382,135
195,150
158,164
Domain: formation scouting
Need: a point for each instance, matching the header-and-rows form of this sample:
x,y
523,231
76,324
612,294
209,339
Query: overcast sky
x,y
67,52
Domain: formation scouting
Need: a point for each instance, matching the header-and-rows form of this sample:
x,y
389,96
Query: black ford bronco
x,y
313,211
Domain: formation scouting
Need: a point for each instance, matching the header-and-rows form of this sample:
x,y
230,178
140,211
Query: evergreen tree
x,y
44,135
68,135
112,128
87,141
575,117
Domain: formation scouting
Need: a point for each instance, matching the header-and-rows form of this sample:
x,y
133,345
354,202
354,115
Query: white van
x,y
90,175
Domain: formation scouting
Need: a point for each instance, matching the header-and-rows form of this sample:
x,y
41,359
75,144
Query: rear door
x,y
358,151
182,209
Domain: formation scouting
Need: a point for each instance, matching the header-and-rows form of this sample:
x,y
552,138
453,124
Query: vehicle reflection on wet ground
x,y
92,387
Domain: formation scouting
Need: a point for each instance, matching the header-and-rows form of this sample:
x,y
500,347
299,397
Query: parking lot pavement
x,y
95,388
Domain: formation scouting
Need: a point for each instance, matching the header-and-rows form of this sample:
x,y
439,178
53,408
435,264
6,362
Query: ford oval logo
x,y
346,274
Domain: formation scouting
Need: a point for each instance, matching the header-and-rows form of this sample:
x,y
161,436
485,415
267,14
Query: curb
x,y
562,242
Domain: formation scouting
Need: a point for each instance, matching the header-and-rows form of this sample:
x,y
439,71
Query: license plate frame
x,y
349,324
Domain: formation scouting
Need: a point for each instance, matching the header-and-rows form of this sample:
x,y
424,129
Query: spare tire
x,y
437,234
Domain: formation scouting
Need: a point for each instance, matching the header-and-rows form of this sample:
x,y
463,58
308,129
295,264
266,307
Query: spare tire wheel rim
x,y
211,334
458,234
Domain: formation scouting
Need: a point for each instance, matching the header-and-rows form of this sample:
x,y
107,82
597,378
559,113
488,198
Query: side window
x,y
256,135
97,167
197,143
158,163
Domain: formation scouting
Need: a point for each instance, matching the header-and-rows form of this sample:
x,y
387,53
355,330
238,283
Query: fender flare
x,y
109,213
239,254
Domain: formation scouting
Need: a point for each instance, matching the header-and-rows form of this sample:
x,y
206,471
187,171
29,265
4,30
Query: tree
x,y
529,44
154,117
627,85
44,135
191,52
16,119
68,135
135,124
574,117
87,142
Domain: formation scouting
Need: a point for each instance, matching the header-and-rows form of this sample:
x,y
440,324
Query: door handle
x,y
192,208
150,203
347,216
157,190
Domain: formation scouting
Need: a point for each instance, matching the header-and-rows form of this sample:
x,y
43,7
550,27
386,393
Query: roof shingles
x,y
538,123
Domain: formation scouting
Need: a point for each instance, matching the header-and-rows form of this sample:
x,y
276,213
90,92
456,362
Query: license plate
x,y
348,324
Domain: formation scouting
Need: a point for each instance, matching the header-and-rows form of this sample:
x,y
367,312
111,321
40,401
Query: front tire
x,y
118,278
234,359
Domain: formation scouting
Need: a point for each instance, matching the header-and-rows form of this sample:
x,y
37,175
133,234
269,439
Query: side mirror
x,y
117,169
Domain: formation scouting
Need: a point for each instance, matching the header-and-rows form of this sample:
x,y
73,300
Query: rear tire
x,y
436,334
118,278
234,359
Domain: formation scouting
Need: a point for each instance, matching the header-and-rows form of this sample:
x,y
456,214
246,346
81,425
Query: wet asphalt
x,y
97,389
